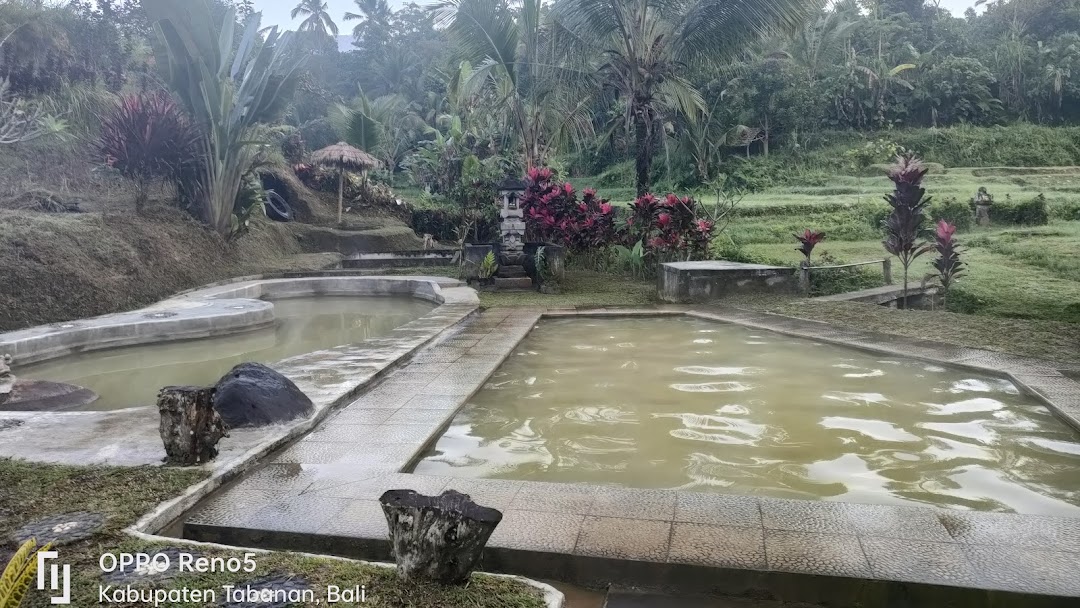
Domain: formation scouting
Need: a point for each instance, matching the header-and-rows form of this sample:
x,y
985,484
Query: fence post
x,y
886,269
804,278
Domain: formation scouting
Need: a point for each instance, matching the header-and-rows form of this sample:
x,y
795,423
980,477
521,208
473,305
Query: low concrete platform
x,y
705,281
321,494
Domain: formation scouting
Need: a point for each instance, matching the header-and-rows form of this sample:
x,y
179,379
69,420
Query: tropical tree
x,y
316,17
645,45
880,78
228,90
374,18
511,55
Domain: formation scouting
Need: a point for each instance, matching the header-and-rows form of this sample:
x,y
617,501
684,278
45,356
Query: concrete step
x,y
511,271
511,283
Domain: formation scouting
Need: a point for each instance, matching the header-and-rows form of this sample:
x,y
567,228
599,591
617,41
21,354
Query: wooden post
x,y
886,269
190,426
437,538
340,192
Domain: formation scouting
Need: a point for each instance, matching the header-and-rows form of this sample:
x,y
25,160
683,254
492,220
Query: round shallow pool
x,y
132,376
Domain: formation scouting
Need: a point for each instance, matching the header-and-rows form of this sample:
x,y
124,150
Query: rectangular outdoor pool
x,y
684,403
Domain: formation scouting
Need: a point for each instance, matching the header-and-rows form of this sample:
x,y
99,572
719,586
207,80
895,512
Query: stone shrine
x,y
511,273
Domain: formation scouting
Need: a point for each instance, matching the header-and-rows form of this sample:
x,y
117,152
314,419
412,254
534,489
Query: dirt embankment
x,y
62,266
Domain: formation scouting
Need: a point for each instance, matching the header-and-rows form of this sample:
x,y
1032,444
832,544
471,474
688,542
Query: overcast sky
x,y
276,12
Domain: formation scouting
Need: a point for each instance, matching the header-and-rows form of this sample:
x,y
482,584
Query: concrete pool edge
x,y
330,377
886,551
218,309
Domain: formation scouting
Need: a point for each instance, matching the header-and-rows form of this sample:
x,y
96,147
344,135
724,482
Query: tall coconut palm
x,y
512,53
645,44
316,17
375,12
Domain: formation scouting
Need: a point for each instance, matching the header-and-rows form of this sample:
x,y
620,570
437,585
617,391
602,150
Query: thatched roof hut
x,y
344,158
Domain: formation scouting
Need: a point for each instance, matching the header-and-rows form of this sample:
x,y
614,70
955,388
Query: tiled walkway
x,y
321,494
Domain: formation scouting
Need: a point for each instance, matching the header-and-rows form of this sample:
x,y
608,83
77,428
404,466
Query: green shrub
x,y
1067,210
879,169
1018,145
1030,213
949,209
963,301
953,211
318,134
829,281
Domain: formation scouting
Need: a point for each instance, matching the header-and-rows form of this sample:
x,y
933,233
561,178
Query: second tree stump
x,y
437,538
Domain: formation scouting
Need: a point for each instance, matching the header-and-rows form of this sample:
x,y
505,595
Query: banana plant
x,y
227,88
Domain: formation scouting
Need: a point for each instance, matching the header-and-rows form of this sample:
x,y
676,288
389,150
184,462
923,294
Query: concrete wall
x,y
214,311
683,282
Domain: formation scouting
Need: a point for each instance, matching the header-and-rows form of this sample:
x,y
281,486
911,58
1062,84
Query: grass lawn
x,y
31,491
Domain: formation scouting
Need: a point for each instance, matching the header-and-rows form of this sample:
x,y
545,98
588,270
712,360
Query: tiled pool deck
x,y
321,494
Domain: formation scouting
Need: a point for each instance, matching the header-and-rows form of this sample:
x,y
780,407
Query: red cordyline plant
x,y
904,224
145,137
555,215
947,264
809,239
671,227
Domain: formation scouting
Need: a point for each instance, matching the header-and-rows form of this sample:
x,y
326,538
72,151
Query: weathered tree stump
x,y
190,426
437,538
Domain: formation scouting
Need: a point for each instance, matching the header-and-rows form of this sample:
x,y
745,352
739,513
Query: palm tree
x,y
376,12
540,102
316,17
644,45
880,76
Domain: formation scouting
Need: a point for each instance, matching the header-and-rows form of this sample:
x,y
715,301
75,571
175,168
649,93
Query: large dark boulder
x,y
252,394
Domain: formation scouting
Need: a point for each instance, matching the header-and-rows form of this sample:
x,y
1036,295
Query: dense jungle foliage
x,y
455,93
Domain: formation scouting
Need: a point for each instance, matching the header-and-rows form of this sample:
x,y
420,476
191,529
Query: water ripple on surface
x,y
973,385
712,387
701,370
978,404
629,365
874,429
1057,447
873,373
856,398
587,413
724,438
975,431
703,341
596,444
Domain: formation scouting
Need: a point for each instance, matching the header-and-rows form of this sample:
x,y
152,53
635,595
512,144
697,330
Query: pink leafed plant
x,y
809,239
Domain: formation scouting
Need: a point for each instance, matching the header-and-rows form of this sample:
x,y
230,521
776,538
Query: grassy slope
x,y
32,491
59,267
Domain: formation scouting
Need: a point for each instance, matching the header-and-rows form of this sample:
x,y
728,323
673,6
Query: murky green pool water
x,y
132,376
691,404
